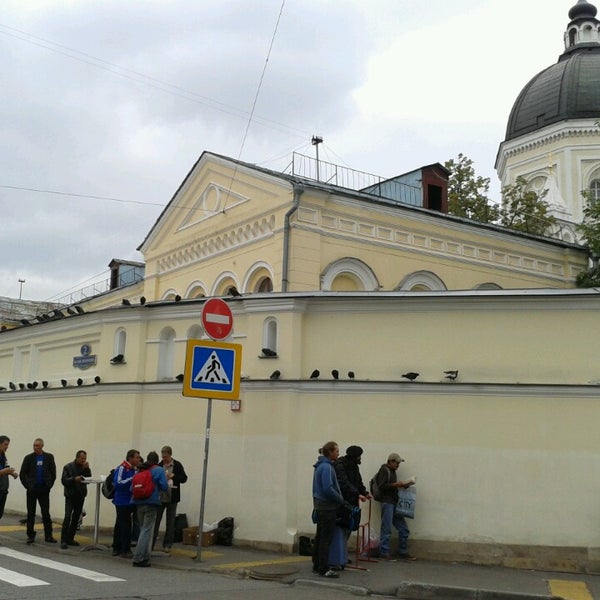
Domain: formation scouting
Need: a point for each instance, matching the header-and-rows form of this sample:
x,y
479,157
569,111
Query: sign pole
x,y
203,493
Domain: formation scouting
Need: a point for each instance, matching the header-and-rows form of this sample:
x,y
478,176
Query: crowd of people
x,y
138,516
338,488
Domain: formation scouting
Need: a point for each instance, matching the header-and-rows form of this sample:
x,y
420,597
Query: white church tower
x,y
553,132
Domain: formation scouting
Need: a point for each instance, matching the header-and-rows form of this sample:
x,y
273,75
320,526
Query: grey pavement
x,y
421,579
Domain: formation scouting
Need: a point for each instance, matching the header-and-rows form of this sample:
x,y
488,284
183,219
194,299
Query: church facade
x,y
553,132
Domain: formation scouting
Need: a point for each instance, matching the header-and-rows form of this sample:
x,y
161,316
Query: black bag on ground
x,y
305,546
181,523
225,532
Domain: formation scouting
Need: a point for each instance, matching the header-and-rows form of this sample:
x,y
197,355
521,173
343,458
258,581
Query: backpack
x,y
108,485
142,485
375,487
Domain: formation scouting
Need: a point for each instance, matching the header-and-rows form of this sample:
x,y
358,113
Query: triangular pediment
x,y
215,199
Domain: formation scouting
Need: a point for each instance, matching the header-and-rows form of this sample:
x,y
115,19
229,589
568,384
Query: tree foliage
x,y
524,209
589,230
468,193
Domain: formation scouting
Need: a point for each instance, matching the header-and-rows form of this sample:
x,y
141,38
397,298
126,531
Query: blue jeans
x,y
389,518
147,517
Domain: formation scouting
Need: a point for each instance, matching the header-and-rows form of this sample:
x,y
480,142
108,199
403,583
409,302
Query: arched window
x,y
422,281
572,36
166,354
224,283
265,286
489,285
269,341
349,275
258,279
194,332
595,190
120,341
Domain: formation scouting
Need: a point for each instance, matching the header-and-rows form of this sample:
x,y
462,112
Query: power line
x,y
138,77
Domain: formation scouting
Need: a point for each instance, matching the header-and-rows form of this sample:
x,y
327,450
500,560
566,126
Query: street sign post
x,y
217,319
212,370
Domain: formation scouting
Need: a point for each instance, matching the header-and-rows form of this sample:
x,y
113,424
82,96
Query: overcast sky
x,y
118,98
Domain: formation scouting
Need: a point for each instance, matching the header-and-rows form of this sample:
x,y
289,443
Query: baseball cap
x,y
395,457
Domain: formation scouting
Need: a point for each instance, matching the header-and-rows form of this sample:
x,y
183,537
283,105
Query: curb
x,y
423,591
350,589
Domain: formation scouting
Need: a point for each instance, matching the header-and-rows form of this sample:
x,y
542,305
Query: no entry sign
x,y
217,319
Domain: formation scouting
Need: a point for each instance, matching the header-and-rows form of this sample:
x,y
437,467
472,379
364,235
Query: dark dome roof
x,y
570,89
582,10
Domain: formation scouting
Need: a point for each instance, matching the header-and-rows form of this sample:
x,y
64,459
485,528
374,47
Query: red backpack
x,y
142,485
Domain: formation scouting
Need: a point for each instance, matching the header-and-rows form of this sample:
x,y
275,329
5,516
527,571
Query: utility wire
x,y
262,76
147,80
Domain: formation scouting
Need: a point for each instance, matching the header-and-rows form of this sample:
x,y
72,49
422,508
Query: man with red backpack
x,y
145,487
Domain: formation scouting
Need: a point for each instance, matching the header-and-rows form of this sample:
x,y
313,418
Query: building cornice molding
x,y
548,135
443,244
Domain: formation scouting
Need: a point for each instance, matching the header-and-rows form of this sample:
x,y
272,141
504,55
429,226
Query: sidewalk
x,y
421,579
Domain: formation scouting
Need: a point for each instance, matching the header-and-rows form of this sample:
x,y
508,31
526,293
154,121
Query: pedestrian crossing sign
x,y
212,370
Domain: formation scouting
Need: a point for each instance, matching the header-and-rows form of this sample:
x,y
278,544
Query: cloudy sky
x,y
106,105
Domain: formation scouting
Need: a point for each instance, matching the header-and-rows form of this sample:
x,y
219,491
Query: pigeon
x,y
143,300
335,374
79,309
315,374
21,386
2,388
177,298
63,382
45,384
410,375
70,310
12,386
30,386
275,374
115,360
34,384
268,352
80,381
233,291
179,377
452,375
97,379
125,302
350,374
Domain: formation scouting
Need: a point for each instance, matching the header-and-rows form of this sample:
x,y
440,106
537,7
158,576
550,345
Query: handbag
x,y
407,498
348,517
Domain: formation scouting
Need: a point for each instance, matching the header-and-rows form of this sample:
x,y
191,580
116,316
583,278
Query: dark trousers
x,y
325,528
40,495
73,509
122,530
3,501
171,510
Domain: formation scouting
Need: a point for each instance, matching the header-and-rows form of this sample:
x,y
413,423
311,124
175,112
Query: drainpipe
x,y
298,191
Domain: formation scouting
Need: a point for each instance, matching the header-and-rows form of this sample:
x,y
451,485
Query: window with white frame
x,y
595,190
166,354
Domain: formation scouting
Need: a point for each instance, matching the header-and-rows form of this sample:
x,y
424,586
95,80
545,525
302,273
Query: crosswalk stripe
x,y
58,566
19,579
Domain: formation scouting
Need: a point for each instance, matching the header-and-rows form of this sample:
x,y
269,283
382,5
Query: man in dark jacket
x,y
350,481
176,476
75,493
349,478
388,483
5,471
38,474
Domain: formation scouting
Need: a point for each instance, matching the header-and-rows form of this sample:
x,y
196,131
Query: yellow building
x,y
331,278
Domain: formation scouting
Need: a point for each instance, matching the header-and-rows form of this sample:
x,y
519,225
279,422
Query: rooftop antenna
x,y
316,140
21,282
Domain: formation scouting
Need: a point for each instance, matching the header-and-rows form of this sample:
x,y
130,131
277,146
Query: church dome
x,y
570,89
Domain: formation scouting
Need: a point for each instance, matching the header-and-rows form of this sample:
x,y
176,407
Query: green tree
x,y
468,193
589,230
525,210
